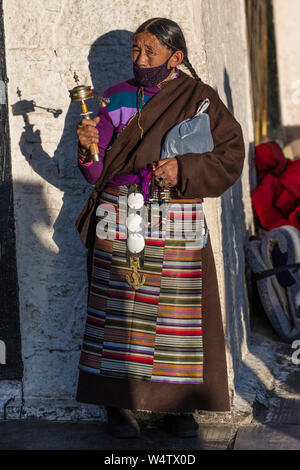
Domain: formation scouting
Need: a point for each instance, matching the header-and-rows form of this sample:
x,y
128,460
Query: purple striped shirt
x,y
113,118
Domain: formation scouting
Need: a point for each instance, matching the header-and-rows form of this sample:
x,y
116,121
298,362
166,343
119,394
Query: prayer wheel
x,y
82,93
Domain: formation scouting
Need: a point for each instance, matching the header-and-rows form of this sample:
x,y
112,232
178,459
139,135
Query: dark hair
x,y
170,35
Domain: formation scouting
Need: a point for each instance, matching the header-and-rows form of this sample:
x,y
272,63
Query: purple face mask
x,y
151,76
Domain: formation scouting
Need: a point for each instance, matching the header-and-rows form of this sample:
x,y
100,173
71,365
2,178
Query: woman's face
x,y
147,51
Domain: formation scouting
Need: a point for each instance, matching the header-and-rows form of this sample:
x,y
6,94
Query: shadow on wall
x,y
61,171
291,135
61,269
54,277
234,236
61,266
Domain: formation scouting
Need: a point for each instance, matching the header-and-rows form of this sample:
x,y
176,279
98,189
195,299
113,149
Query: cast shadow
x,y
234,232
60,171
291,137
236,273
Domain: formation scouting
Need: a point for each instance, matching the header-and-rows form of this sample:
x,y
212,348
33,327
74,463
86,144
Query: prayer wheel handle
x,y
82,93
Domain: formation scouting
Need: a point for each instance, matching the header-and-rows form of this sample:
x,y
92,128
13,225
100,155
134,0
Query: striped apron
x,y
153,333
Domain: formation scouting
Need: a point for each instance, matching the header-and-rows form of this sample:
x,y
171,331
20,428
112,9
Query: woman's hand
x,y
168,170
87,133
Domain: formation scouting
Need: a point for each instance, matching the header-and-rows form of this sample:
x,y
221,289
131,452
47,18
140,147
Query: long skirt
x,y
159,347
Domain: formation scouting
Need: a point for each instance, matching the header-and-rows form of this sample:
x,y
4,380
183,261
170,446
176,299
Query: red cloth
x,y
276,199
290,178
294,218
269,159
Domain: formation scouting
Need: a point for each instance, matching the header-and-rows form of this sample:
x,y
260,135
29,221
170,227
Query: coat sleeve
x,y
92,170
210,174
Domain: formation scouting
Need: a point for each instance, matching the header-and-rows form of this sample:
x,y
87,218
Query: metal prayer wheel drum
x,y
80,93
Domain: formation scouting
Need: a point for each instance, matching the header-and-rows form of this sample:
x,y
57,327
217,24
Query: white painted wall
x,y
224,32
45,43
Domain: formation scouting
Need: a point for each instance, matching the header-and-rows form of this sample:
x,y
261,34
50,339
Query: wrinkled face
x,y
147,51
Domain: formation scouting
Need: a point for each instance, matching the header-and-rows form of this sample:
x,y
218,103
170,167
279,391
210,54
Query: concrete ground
x,y
273,422
54,435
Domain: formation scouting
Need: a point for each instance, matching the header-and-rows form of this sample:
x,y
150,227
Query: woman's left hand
x,y
168,170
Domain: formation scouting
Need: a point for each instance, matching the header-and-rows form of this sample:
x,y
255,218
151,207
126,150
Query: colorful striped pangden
x,y
153,333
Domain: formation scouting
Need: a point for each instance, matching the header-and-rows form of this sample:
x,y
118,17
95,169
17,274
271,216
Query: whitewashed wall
x,y
45,43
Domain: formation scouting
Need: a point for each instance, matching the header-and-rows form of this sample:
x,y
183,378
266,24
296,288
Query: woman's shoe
x,y
121,423
183,425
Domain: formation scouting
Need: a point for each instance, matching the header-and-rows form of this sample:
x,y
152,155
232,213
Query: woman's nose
x,y
141,59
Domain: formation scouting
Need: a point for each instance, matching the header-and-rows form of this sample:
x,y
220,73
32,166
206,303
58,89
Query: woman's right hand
x,y
87,132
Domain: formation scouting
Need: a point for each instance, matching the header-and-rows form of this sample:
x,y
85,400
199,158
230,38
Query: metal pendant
x,y
135,238
135,280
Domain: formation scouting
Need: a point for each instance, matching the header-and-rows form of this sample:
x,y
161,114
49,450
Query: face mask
x,y
151,76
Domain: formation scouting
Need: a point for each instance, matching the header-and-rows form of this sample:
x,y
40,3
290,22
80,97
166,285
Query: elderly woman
x,y
154,337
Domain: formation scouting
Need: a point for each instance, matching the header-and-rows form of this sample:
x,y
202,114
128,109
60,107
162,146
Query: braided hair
x,y
170,35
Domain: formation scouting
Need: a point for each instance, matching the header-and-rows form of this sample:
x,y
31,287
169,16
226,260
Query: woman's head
x,y
167,32
159,40
148,52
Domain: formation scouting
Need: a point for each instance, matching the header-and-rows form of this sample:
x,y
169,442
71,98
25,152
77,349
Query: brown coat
x,y
208,175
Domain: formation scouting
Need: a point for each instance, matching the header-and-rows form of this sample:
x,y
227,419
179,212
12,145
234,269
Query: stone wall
x,y
45,43
230,216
